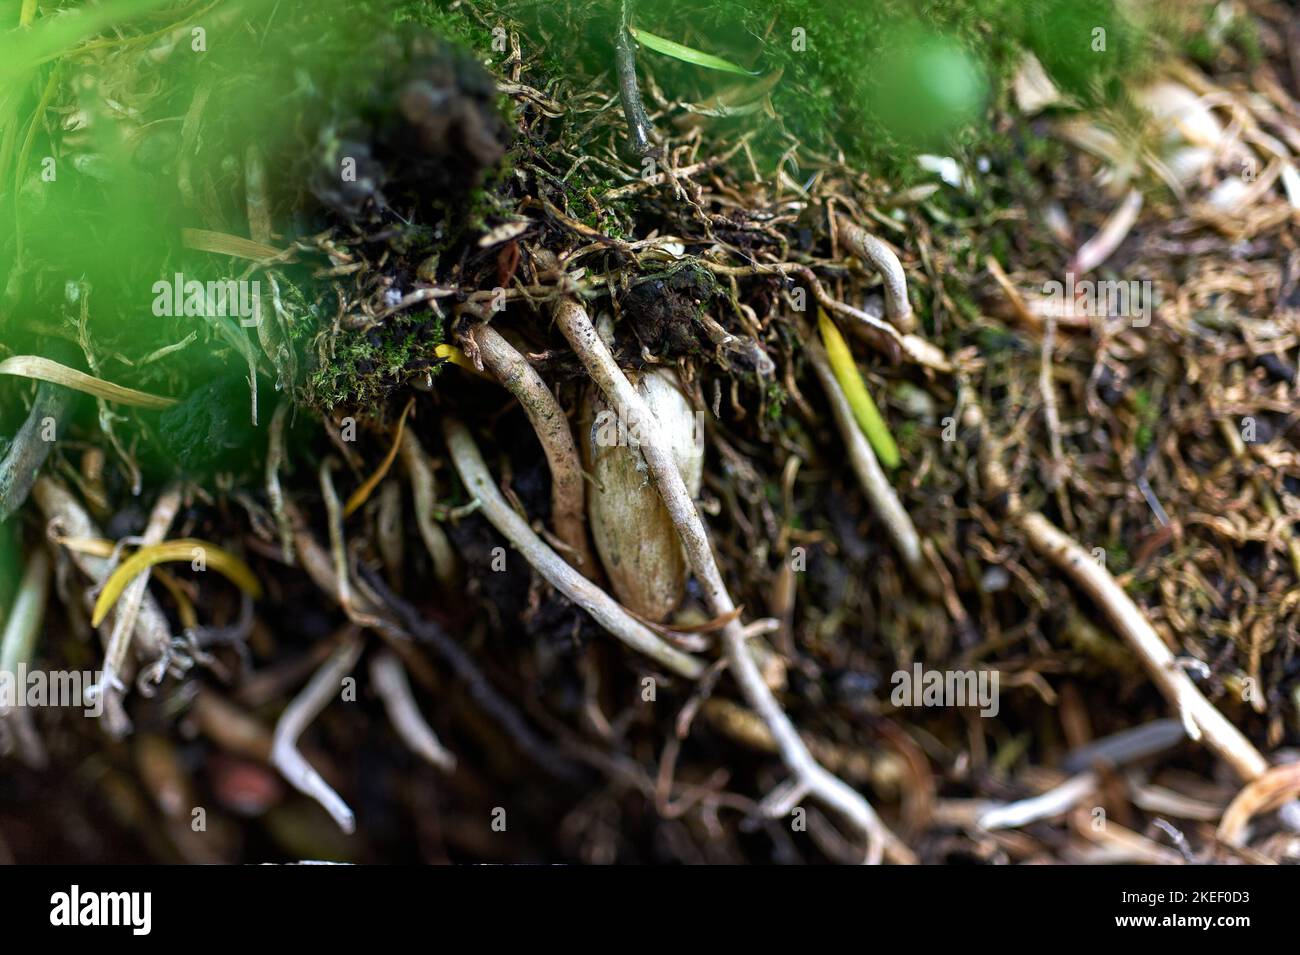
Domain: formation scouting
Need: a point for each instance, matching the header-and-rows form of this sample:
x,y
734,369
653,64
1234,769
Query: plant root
x,y
431,532
304,708
480,690
603,608
640,130
388,677
810,778
1200,717
875,484
568,490
882,258
127,612
64,513
1270,790
17,645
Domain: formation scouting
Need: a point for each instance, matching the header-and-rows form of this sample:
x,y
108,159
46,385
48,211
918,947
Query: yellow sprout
x,y
855,390
458,357
361,494
184,549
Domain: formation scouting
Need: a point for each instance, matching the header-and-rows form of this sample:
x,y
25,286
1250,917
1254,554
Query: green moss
x,y
772,492
581,202
960,295
359,371
1086,45
994,340
1206,43
774,401
450,21
908,435
878,79
1118,560
1148,411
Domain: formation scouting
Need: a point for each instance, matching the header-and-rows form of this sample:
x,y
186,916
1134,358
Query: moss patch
x,y
359,370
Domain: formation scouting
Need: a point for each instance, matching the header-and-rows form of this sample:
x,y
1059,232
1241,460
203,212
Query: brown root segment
x,y
568,491
881,257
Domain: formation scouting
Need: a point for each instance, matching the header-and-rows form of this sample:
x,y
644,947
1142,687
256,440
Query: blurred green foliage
x,y
879,80
11,565
112,141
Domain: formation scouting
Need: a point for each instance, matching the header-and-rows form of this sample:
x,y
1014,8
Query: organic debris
x,y
994,533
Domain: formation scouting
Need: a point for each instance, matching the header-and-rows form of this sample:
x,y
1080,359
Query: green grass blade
x,y
687,54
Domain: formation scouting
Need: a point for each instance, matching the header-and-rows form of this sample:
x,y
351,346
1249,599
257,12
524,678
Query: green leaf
x,y
686,53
